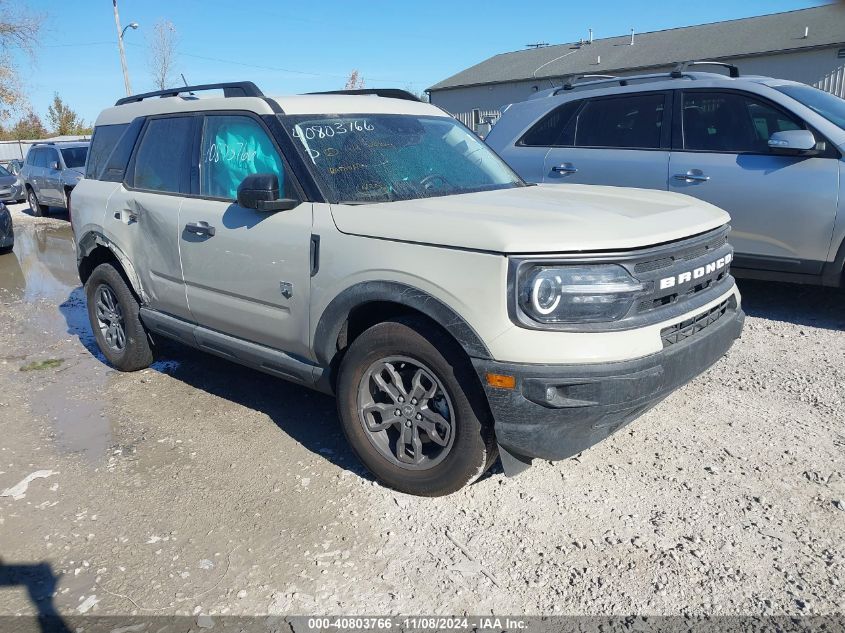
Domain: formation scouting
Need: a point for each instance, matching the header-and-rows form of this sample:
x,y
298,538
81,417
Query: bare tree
x,y
18,32
162,43
355,81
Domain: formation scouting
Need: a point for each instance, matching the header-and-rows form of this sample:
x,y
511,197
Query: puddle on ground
x,y
42,269
41,266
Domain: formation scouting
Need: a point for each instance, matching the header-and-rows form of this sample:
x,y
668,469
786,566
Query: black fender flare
x,y
833,273
337,312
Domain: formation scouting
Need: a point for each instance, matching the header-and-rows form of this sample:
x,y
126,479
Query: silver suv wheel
x,y
406,413
110,318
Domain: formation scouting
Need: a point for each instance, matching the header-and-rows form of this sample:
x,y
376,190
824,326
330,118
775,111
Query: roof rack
x,y
389,93
570,81
231,89
733,71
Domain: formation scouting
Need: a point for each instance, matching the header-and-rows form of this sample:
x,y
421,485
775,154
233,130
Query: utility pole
x,y
120,48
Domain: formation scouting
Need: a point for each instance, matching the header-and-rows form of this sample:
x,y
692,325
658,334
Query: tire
x,y
413,348
114,315
38,209
7,249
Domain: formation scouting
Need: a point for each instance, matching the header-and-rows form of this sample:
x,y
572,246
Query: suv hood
x,y
538,219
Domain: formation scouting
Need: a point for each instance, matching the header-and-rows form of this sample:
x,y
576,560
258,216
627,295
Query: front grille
x,y
690,267
692,326
682,256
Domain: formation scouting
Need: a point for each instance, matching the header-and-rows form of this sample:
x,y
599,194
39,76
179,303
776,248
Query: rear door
x,y
782,207
247,272
143,216
621,140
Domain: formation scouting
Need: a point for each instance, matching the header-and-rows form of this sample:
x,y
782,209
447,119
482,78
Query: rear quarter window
x,y
104,141
554,129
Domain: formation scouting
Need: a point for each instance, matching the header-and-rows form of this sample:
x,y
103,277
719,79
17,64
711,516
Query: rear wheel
x,y
38,209
114,315
412,410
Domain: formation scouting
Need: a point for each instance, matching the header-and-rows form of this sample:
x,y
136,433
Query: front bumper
x,y
11,194
556,411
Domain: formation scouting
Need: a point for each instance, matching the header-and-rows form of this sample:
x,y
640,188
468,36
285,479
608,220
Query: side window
x,y
40,158
732,123
105,138
234,147
163,157
555,129
630,122
51,156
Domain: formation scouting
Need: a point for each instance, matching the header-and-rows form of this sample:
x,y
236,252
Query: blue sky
x,y
296,46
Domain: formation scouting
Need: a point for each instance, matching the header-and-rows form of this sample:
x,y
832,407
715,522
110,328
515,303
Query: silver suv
x,y
768,151
370,246
50,173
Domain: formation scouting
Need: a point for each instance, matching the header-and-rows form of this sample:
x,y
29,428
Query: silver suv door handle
x,y
200,228
692,176
566,168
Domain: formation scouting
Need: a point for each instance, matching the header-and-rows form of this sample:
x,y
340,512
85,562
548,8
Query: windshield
x,y
384,157
827,105
75,157
4,171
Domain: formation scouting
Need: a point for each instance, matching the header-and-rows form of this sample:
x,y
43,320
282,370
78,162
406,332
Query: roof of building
x,y
778,32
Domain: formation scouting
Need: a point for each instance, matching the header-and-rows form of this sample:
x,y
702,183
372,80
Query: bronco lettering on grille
x,y
696,273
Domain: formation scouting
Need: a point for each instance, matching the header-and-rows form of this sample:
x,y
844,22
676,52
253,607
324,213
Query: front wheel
x,y
114,315
38,209
412,409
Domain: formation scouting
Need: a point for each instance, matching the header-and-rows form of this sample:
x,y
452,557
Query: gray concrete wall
x,y
821,68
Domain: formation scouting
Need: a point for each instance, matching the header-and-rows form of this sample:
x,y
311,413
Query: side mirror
x,y
261,192
792,142
53,165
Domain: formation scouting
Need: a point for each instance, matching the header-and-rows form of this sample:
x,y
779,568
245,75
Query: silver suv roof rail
x,y
678,73
569,84
389,93
733,71
230,89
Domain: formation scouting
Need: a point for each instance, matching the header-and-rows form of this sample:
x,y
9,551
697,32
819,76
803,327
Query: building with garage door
x,y
807,45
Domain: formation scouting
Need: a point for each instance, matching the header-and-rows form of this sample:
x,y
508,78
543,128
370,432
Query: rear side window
x,y
163,157
732,123
555,129
104,141
630,122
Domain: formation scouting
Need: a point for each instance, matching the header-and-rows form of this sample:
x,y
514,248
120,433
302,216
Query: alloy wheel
x,y
406,413
110,318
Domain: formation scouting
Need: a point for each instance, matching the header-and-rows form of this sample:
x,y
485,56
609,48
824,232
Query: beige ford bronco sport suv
x,y
369,246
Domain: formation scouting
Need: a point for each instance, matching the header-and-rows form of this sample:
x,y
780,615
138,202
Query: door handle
x,y
693,175
126,216
200,228
565,168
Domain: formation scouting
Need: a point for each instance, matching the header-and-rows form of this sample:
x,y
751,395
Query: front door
x,y
51,188
247,272
782,207
621,140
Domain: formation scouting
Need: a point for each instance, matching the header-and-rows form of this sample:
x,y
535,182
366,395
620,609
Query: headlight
x,y
577,294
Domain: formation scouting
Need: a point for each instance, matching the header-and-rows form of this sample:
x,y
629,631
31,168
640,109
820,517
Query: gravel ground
x,y
199,487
